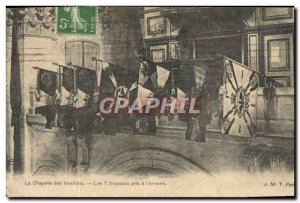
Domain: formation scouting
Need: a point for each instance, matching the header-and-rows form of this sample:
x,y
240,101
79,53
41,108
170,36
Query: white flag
x,y
162,76
144,94
180,94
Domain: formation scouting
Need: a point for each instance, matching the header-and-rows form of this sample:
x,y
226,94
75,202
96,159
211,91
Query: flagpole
x,y
60,79
100,60
97,71
96,68
74,76
56,64
77,66
38,68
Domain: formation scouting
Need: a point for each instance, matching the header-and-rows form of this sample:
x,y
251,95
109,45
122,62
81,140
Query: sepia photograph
x,y
156,102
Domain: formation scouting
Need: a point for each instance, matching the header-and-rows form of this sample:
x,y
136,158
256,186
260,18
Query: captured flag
x,y
68,79
82,81
200,75
111,77
108,70
64,96
119,75
144,94
99,75
47,81
82,99
143,78
180,94
162,76
46,86
240,94
86,80
133,86
153,76
148,74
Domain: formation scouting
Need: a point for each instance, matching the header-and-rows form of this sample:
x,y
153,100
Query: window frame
x,y
83,42
285,73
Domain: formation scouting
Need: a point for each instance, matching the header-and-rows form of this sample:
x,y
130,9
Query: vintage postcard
x,y
150,101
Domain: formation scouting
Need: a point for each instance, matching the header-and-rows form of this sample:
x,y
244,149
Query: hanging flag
x,y
82,99
158,75
107,68
180,94
119,75
46,89
99,75
144,94
123,75
240,95
68,79
148,71
76,93
86,80
64,96
47,81
179,97
133,86
113,80
162,76
268,95
142,77
200,75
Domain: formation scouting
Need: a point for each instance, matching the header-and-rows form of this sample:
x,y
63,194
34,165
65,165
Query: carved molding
x,y
150,158
33,20
261,160
48,167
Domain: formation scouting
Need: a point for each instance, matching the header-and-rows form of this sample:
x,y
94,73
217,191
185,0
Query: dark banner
x,y
86,80
68,79
47,81
124,76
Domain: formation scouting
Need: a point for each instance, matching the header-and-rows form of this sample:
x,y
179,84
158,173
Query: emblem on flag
x,y
240,94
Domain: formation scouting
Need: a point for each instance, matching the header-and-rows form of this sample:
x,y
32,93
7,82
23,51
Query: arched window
x,y
81,52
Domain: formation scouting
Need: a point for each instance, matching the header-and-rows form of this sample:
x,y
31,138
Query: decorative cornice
x,y
32,20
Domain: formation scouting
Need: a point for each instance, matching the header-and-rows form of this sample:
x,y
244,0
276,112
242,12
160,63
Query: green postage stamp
x,y
76,20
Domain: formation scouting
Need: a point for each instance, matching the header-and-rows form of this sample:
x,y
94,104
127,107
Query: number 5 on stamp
x,y
76,20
